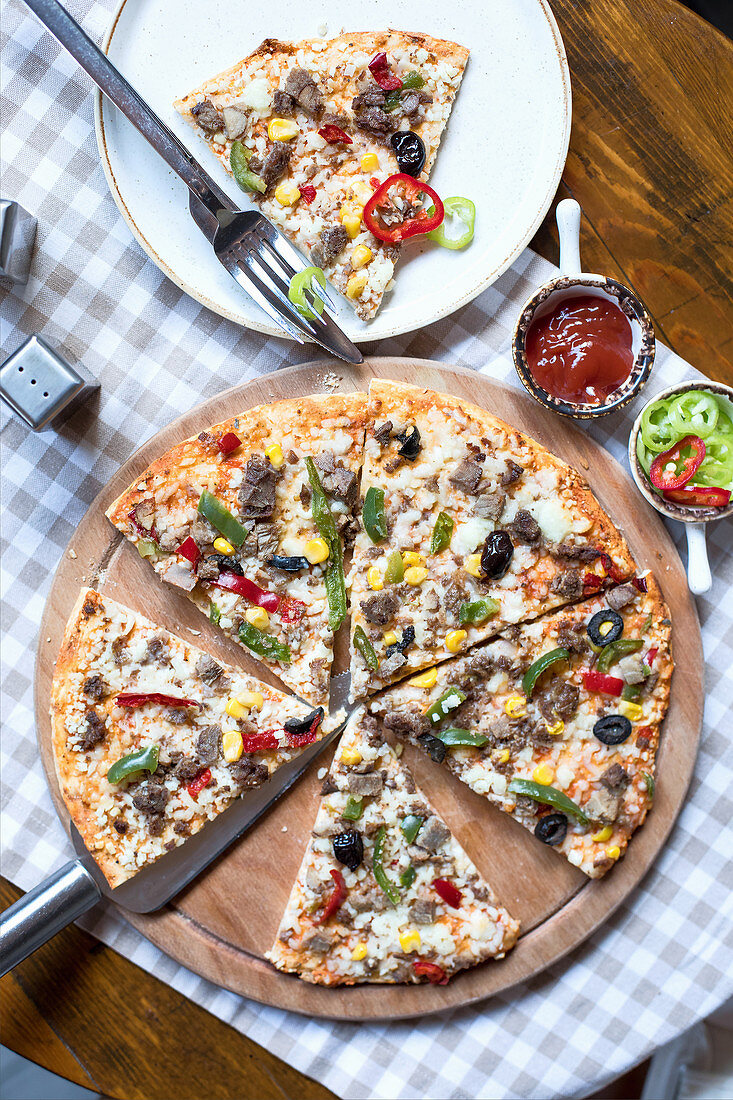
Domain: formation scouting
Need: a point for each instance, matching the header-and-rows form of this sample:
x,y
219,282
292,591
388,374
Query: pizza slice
x,y
249,519
385,893
152,737
557,722
306,128
469,527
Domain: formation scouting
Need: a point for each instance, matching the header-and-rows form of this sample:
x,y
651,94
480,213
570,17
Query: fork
x,y
254,252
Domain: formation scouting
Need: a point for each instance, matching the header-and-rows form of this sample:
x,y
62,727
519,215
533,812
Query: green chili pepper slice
x,y
146,548
219,516
385,884
302,284
408,877
334,580
366,649
264,645
655,429
395,570
616,650
411,826
631,692
454,736
542,663
375,524
353,809
444,704
649,783
414,79
477,611
693,412
239,159
550,796
144,759
214,614
464,212
442,532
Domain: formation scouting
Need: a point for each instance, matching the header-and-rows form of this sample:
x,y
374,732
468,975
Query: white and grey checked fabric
x,y
661,963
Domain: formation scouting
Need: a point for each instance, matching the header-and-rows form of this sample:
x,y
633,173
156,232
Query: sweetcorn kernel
x,y
630,710
275,454
390,637
350,757
231,745
543,774
502,756
472,565
416,574
411,557
287,194
361,256
251,699
613,852
425,679
356,284
235,709
258,617
454,639
602,835
359,952
362,192
410,941
223,546
316,550
282,129
516,706
556,728
351,220
369,162
374,579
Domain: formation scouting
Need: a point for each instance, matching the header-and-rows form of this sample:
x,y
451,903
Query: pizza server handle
x,y
44,911
97,65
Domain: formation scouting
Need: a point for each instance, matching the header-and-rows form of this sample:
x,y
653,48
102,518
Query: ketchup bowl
x,y
583,344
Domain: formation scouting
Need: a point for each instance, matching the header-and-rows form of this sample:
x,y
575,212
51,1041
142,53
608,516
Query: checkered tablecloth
x,y
663,961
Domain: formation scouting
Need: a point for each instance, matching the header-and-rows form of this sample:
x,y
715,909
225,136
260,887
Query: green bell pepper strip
x,y
464,211
616,650
219,516
366,649
408,877
477,611
393,99
648,783
395,571
385,884
239,159
411,826
264,645
375,524
442,532
146,548
214,614
550,796
444,704
353,809
452,736
542,663
334,580
631,692
302,283
144,759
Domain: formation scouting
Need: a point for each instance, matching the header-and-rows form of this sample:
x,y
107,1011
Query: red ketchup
x,y
581,350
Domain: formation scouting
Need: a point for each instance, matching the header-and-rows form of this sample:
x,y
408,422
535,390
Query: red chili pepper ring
x,y
662,478
397,199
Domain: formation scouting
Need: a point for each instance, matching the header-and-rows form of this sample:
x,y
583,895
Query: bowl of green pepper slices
x,y
681,458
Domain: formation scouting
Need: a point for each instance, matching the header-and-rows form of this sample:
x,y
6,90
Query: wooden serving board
x,y
221,926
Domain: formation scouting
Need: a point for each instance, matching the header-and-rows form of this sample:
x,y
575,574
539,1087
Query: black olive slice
x,y
410,152
302,725
551,829
348,848
408,637
409,437
496,555
435,749
605,637
612,729
290,565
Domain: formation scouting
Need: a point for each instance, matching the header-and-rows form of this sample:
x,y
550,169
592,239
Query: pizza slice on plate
x,y
385,893
557,722
469,526
306,128
152,737
249,518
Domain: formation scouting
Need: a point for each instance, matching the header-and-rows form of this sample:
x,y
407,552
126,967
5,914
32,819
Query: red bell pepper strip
x,y
662,478
247,588
333,134
431,971
379,68
649,658
139,698
144,532
450,894
336,900
189,550
258,742
198,783
297,740
307,193
229,442
408,189
601,681
699,497
639,584
592,582
291,610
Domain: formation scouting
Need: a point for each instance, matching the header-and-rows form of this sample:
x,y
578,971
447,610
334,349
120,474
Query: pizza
x,y
469,527
152,737
249,519
306,128
557,722
385,893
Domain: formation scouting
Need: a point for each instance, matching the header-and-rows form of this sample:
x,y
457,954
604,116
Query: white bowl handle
x,y
568,227
698,567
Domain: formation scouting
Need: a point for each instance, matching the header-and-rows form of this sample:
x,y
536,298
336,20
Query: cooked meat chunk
x,y
615,778
568,637
94,731
413,100
155,824
151,798
276,161
177,716
467,475
331,240
433,835
304,90
490,505
207,745
328,786
187,768
372,97
156,650
182,828
305,495
512,473
207,440
316,943
365,784
577,551
621,596
208,669
338,481
283,103
454,595
526,528
380,607
202,532
208,118
257,494
267,538
120,652
247,774
235,121
568,584
409,722
120,826
94,687
558,700
375,120
383,433
208,568
603,806
331,119
649,683
392,664
422,911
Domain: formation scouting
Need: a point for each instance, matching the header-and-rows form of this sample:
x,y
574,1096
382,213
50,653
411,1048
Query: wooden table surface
x,y
651,163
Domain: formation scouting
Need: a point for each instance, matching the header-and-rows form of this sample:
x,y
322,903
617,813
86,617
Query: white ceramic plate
x,y
504,147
